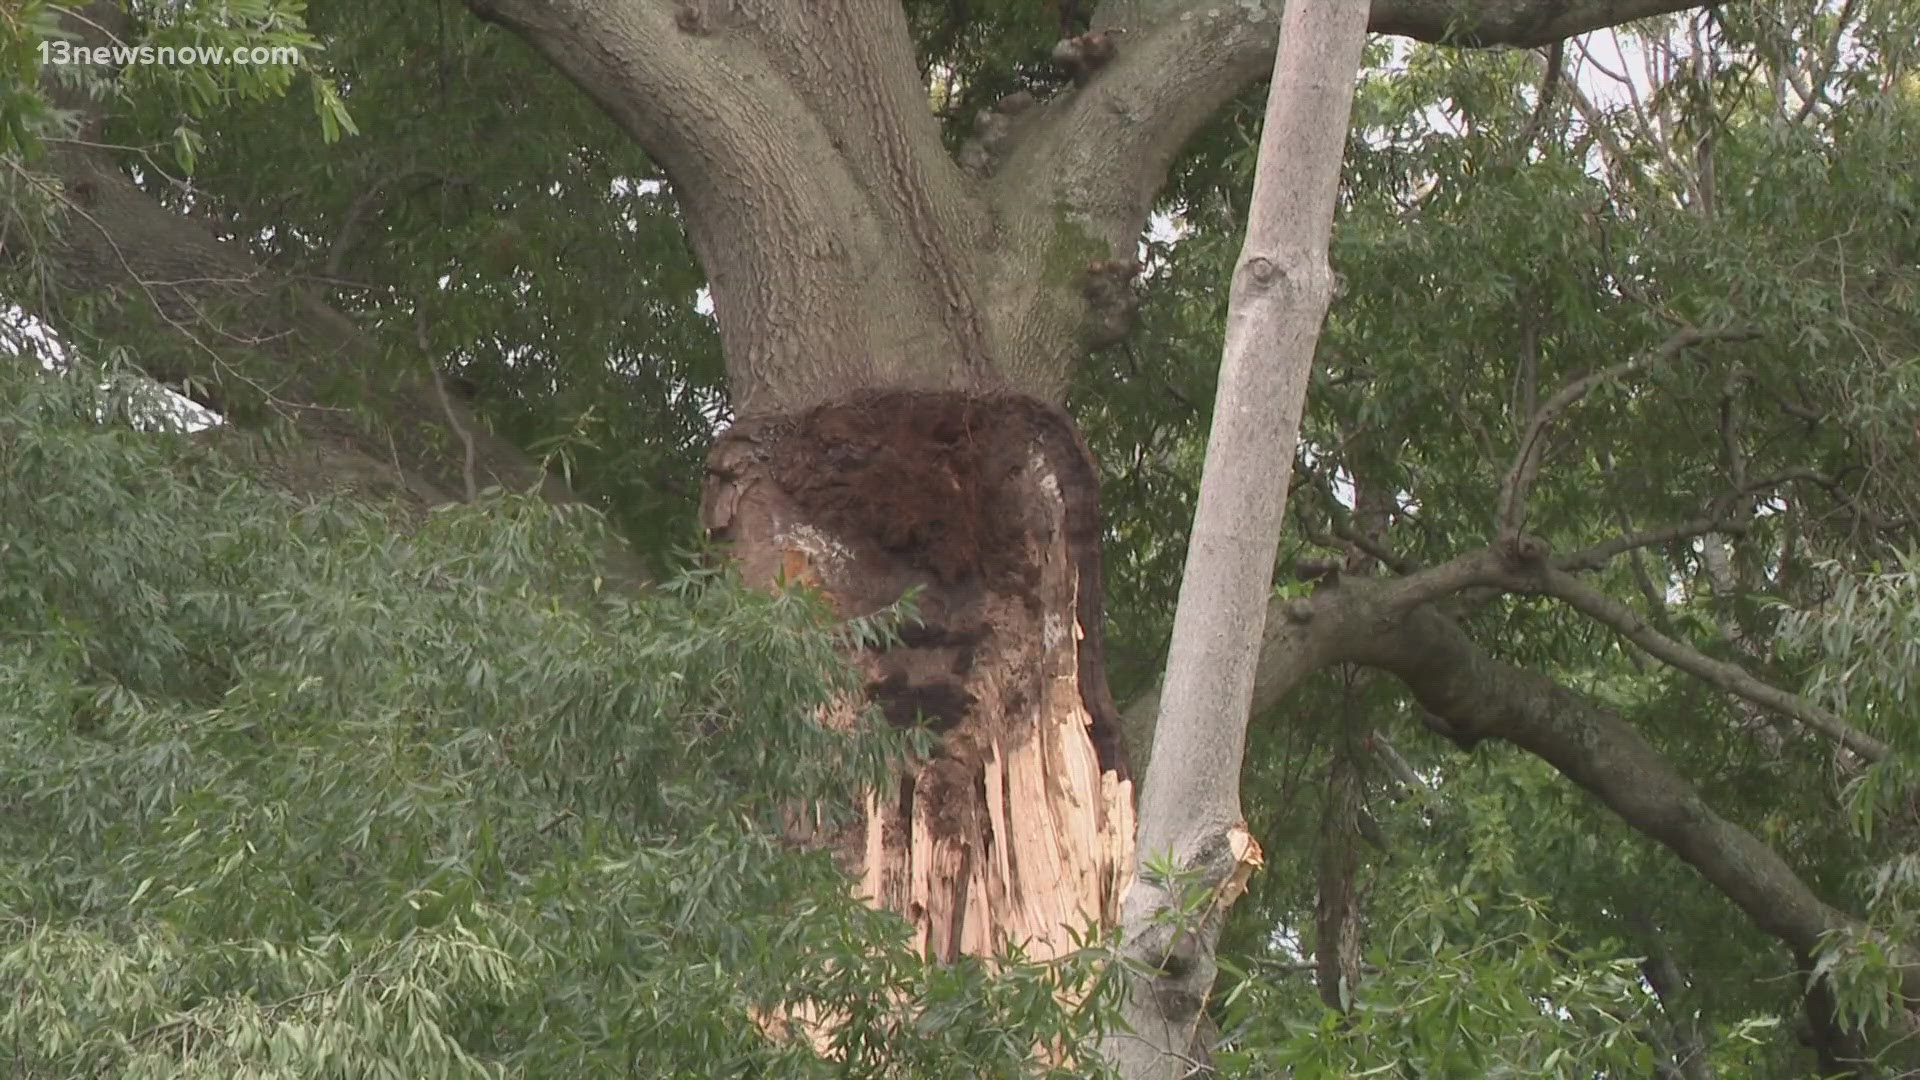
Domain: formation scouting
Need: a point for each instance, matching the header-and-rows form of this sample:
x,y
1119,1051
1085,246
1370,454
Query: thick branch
x,y
1475,696
1520,565
1480,697
249,342
1520,23
1180,61
1103,150
252,345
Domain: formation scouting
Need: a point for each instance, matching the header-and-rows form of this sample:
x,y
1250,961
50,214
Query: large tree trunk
x,y
899,332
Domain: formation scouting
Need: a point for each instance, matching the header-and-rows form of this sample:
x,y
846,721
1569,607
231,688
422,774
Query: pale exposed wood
x,y
1058,833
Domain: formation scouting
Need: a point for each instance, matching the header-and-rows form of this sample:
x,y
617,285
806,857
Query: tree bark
x,y
1336,917
1020,826
1190,821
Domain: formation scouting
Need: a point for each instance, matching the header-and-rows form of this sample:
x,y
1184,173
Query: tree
x,y
852,260
903,296
289,789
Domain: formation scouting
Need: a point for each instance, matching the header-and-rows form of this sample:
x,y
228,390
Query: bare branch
x,y
1344,536
1815,91
1103,149
1556,61
1519,565
1597,556
1612,152
1475,696
1521,23
1728,514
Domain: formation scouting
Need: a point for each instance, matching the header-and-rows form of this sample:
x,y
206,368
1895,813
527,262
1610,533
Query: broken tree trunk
x,y
1019,826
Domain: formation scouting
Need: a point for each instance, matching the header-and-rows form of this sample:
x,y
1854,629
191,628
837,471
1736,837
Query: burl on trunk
x,y
1020,826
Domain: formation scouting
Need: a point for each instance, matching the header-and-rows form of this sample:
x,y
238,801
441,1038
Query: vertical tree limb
x,y
1190,812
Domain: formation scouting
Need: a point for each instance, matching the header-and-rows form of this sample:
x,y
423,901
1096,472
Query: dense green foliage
x,y
290,790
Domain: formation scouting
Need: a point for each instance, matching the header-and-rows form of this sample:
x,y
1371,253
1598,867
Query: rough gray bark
x,y
1190,818
843,246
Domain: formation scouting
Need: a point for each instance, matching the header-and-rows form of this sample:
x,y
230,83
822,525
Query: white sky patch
x,y
151,406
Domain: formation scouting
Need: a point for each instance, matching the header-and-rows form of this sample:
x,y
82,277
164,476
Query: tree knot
x,y
1524,552
1083,54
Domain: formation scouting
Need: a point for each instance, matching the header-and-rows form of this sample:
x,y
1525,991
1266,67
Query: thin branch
x,y
1556,60
1525,395
467,472
1727,676
1381,553
1816,90
357,211
1526,463
1597,556
1653,133
1519,565
1611,149
1727,515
